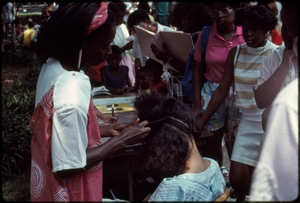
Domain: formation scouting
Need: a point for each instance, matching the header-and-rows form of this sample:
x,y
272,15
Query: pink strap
x,y
99,18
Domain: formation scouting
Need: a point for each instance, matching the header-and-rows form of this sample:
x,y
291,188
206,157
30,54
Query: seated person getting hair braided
x,y
170,153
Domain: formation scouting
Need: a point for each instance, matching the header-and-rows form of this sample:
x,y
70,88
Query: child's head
x,y
173,127
138,17
257,22
154,71
142,81
114,58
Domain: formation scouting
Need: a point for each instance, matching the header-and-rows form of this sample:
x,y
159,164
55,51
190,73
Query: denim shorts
x,y
218,120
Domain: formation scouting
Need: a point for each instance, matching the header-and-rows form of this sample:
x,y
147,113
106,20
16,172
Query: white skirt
x,y
247,142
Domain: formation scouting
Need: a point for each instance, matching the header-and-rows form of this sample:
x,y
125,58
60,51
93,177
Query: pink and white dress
x,y
64,126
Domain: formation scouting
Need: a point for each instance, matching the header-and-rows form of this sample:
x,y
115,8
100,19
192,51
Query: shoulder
x,y
72,89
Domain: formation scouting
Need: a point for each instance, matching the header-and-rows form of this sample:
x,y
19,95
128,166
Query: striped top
x,y
247,71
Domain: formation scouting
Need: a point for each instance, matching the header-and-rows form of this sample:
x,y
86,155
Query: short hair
x,y
137,16
30,24
166,147
115,49
60,36
256,14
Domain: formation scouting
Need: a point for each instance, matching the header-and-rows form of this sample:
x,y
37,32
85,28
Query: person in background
x,y
27,36
122,33
276,35
278,70
276,176
26,26
47,10
141,18
66,148
144,5
170,153
142,84
242,69
114,75
94,73
18,28
8,16
160,12
189,18
223,36
154,71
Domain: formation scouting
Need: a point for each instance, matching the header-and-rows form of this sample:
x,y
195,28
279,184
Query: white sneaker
x,y
224,171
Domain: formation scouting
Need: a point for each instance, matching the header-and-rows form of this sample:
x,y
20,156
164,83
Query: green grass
x,y
18,189
19,75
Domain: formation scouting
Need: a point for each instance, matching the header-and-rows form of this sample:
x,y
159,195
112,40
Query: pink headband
x,y
99,18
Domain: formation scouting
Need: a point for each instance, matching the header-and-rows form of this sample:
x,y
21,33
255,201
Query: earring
x,y
79,59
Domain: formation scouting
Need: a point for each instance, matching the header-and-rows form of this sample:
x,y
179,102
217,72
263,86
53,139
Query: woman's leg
x,y
240,178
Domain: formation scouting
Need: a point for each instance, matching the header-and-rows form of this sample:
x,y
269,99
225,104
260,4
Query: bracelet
x,y
274,78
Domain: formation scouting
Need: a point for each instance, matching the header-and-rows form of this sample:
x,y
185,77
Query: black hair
x,y
117,6
30,24
144,6
198,10
166,148
257,15
115,49
151,64
60,36
136,17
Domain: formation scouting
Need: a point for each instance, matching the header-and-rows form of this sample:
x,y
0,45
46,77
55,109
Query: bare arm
x,y
197,72
129,86
221,92
130,135
137,64
266,92
165,55
106,118
127,46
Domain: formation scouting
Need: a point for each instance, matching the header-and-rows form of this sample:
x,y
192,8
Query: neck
x,y
230,29
195,162
69,66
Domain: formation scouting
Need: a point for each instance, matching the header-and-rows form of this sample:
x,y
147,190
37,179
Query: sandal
x,y
224,171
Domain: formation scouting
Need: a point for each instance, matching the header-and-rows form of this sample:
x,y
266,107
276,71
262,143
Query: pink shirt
x,y
216,52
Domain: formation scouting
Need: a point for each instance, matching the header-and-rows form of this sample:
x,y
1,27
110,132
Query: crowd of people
x,y
85,45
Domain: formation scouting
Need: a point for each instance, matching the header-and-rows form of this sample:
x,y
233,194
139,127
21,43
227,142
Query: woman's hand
x,y
223,197
161,54
117,91
134,133
122,126
110,118
128,46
